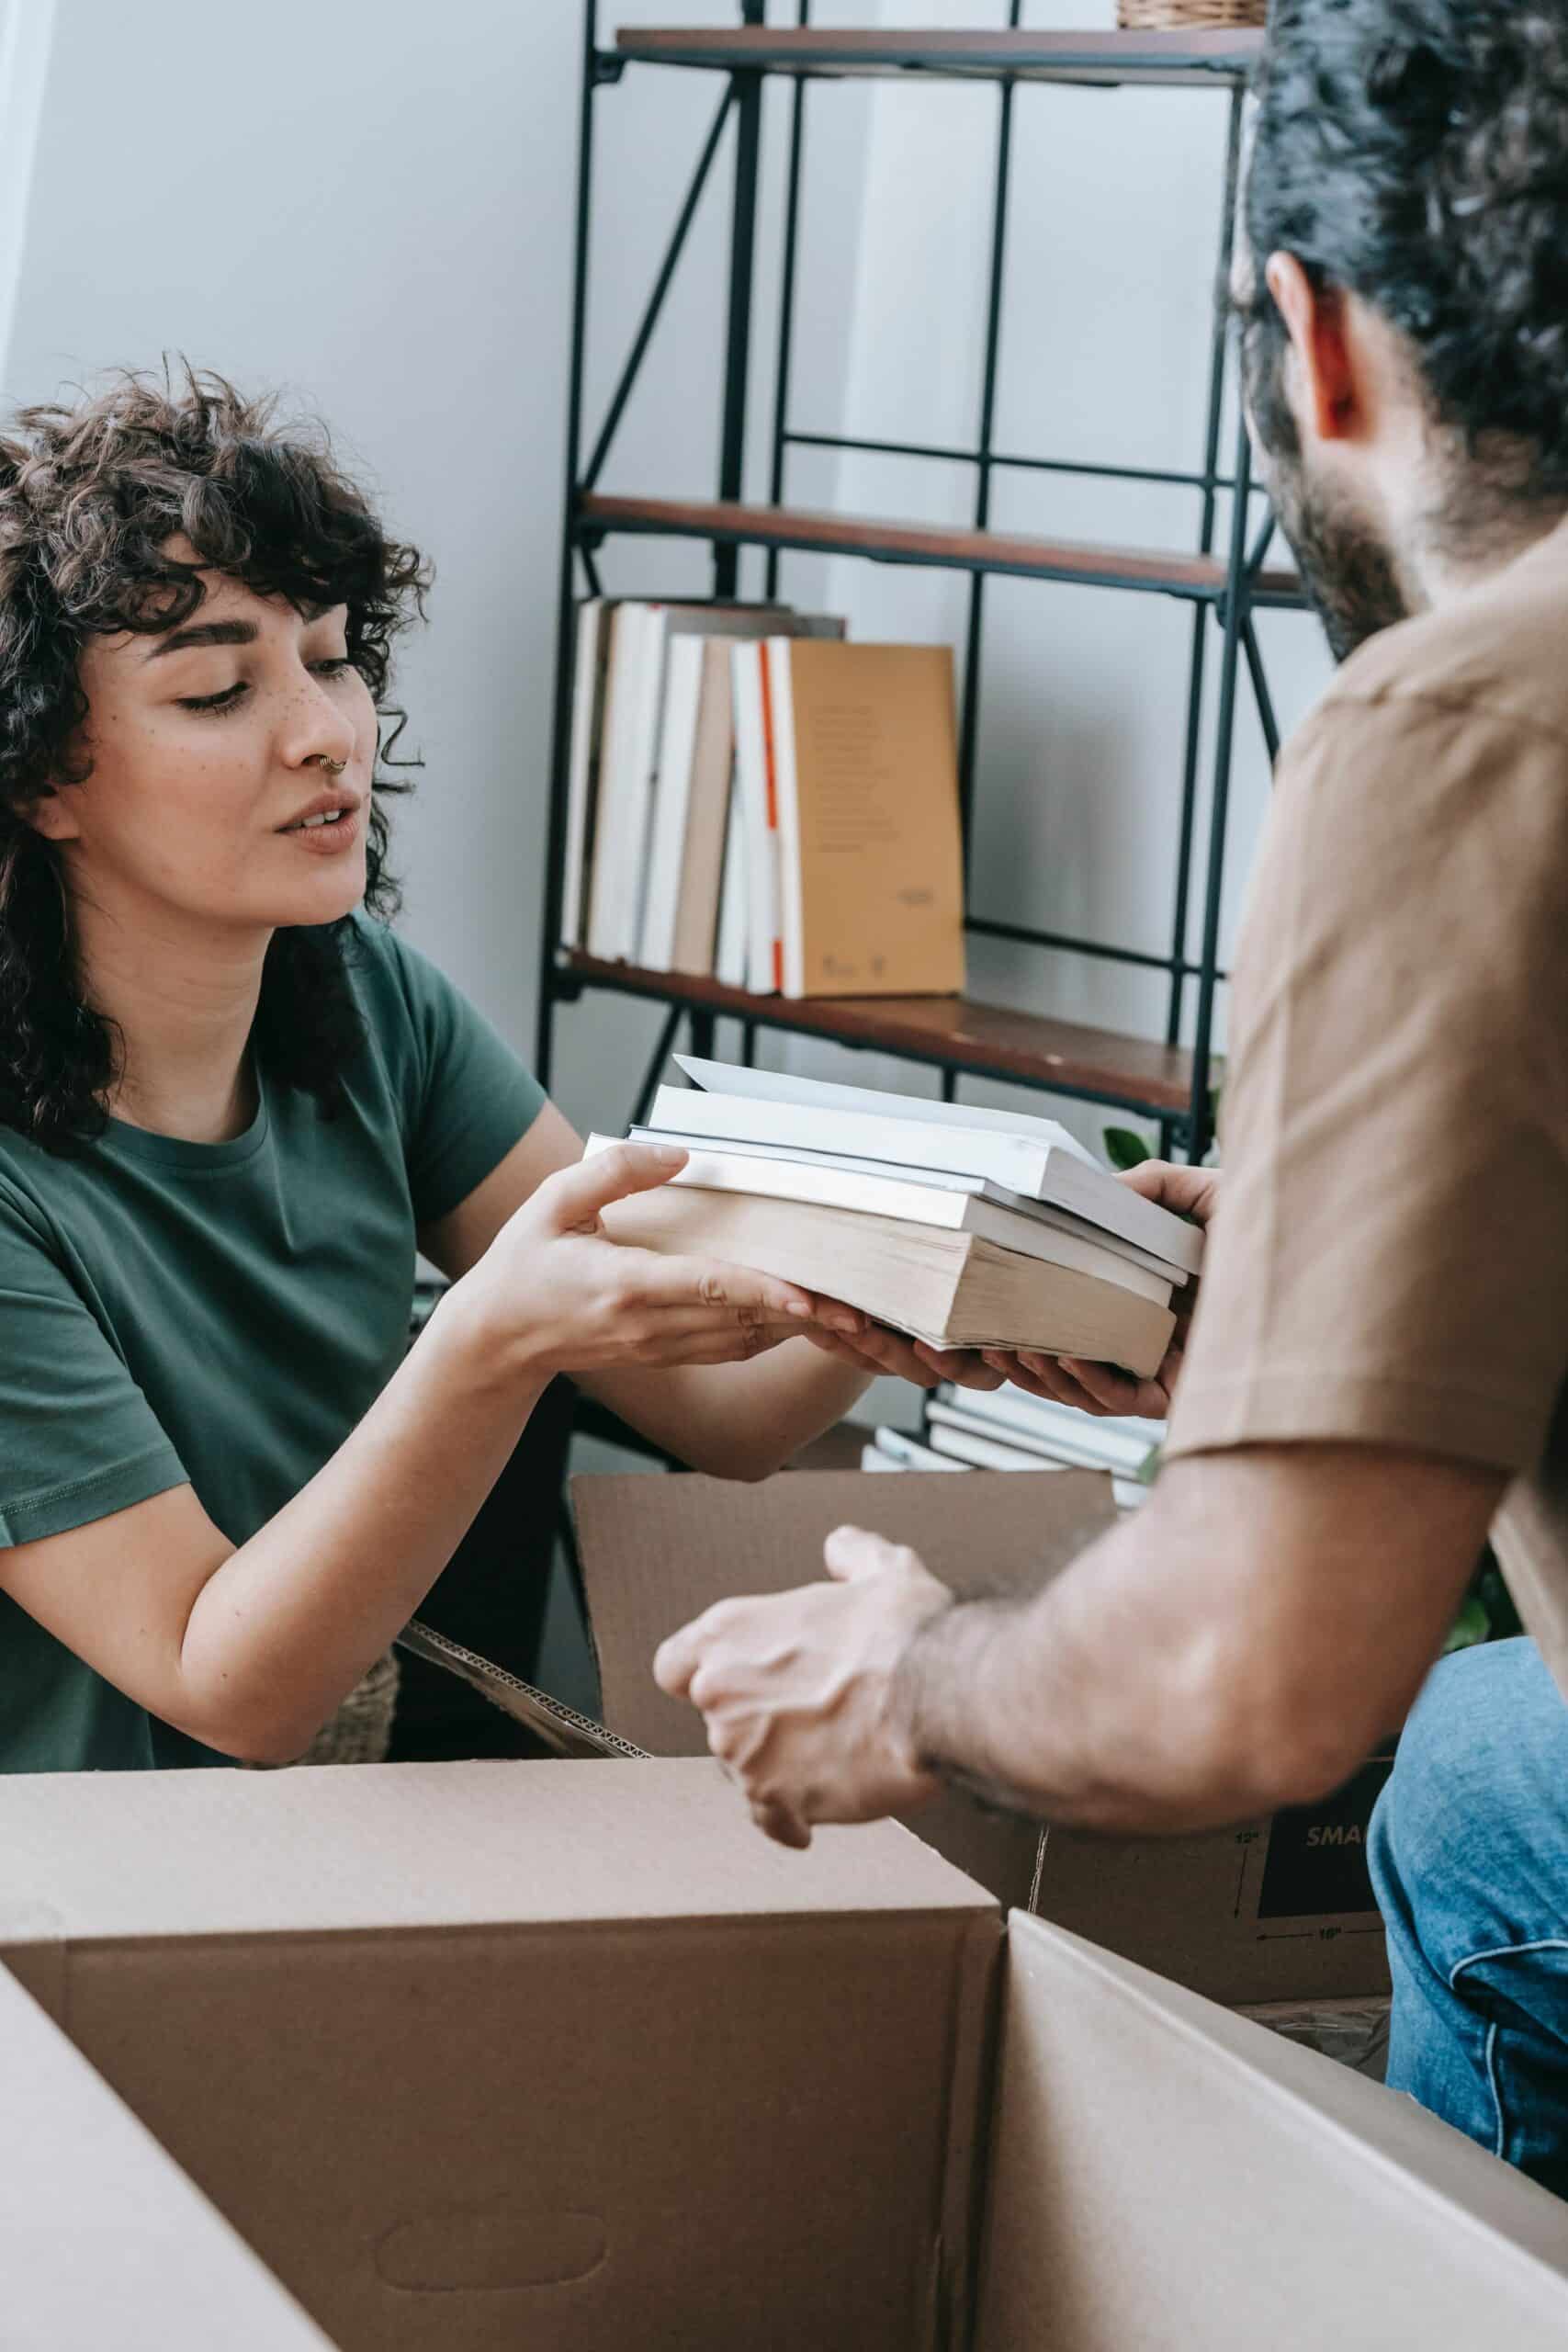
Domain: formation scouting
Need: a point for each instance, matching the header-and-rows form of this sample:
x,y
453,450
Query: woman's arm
x,y
735,1421
250,1648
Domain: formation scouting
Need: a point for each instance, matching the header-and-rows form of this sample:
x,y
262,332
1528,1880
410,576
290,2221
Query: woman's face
x,y
206,746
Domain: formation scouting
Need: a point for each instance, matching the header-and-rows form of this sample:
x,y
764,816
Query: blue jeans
x,y
1469,1854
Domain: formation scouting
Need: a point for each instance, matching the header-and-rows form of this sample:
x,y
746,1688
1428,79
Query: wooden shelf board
x,y
1151,570
986,1040
1157,60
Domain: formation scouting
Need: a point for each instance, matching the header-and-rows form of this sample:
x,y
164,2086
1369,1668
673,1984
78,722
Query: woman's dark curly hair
x,y
90,497
1416,152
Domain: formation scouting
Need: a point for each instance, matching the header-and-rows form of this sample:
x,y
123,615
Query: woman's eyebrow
x,y
204,633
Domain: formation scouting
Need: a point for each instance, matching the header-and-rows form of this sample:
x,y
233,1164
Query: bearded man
x,y
1375,1377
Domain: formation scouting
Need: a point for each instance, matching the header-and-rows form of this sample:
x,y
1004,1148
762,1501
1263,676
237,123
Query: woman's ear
x,y
52,816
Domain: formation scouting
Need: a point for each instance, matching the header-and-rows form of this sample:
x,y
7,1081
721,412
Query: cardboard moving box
x,y
1275,1910
567,2057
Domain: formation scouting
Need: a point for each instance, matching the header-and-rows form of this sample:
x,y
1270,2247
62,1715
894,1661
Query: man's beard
x,y
1347,571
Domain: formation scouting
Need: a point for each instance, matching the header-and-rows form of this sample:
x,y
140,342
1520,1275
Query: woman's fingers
x,y
716,1287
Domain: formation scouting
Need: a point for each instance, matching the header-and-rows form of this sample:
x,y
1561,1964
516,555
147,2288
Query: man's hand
x,y
1101,1389
845,1332
798,1689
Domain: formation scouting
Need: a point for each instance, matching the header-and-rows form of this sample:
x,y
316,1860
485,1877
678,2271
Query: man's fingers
x,y
1188,1192
965,1367
677,1658
1111,1391
852,1552
777,1822
577,1195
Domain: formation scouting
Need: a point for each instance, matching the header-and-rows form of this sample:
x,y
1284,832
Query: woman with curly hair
x,y
233,1104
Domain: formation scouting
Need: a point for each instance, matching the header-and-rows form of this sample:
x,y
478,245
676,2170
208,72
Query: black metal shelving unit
x,y
1225,586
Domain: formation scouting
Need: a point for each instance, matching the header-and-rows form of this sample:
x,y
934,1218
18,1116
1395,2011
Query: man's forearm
x,y
1097,1703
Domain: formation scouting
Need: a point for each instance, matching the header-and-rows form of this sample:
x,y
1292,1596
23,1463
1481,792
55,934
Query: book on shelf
x,y
846,770
1033,1158
649,773
893,1449
1094,1441
642,730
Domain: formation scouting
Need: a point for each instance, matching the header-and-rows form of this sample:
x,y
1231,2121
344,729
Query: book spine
x,y
587,697
767,676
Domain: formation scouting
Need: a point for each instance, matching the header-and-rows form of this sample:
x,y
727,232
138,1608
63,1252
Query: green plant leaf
x,y
1124,1149
1470,1627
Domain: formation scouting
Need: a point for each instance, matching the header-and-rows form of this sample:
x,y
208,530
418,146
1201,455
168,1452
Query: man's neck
x,y
1445,564
183,1000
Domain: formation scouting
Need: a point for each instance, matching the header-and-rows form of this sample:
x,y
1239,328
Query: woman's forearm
x,y
738,1420
294,1617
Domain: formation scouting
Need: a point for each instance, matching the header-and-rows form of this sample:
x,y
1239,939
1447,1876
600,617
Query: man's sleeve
x,y
78,1439
1390,1260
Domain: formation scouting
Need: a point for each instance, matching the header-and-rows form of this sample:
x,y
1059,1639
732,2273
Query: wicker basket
x,y
1189,15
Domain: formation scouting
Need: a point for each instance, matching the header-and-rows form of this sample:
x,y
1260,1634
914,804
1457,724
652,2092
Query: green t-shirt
x,y
222,1314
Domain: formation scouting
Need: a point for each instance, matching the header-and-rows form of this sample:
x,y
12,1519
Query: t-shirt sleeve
x,y
1389,1263
467,1098
78,1439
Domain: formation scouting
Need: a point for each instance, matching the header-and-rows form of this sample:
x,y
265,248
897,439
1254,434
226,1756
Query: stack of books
x,y
961,1226
1008,1428
752,799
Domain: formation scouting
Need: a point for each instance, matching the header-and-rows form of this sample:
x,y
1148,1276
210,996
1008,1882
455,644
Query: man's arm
x,y
1237,1645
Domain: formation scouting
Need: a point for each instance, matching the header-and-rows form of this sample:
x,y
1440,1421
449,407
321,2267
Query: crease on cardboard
x,y
36,1950
503,2247
1167,2017
965,2135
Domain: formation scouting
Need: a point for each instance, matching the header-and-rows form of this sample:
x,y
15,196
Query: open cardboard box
x,y
569,2058
1276,1910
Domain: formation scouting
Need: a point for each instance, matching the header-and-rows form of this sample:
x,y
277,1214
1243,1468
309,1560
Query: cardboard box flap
x,y
97,2223
1167,2175
205,1854
658,1550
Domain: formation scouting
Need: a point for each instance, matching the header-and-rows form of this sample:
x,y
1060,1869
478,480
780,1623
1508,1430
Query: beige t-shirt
x,y
1390,1260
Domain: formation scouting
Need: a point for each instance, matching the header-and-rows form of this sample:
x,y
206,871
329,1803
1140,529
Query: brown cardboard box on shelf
x,y
482,2055
1277,1910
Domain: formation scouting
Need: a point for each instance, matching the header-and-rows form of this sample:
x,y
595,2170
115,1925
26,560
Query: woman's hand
x,y
558,1294
1101,1389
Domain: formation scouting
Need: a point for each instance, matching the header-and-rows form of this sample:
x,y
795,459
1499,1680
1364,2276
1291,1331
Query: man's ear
x,y
1328,396
52,816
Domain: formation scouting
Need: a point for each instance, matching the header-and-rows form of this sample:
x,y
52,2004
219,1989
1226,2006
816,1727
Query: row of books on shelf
x,y
1009,1429
963,1226
754,799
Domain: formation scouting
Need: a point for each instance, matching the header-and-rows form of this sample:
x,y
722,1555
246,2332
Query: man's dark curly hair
x,y
1416,152
90,496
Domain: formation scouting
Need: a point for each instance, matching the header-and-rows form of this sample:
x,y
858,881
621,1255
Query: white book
x,y
1028,1156
871,1459
587,732
761,842
956,1208
730,949
672,797
942,1179
623,693
1121,1442
957,1415
986,1453
897,1451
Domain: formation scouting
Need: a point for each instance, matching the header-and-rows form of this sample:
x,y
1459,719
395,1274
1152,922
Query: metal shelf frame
x,y
1223,585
